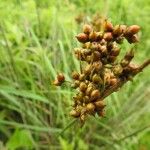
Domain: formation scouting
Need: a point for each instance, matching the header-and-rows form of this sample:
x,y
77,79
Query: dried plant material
x,y
102,74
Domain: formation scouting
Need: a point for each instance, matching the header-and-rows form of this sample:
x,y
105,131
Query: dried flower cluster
x,y
101,73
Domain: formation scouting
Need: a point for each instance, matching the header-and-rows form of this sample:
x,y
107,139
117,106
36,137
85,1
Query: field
x,y
37,38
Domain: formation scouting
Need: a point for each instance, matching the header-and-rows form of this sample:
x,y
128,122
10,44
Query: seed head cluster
x,y
101,72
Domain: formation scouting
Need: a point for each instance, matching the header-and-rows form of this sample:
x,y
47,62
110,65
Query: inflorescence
x,y
101,72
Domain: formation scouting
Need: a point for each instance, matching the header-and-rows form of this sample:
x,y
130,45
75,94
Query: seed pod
x,y
90,107
88,69
75,75
56,83
94,46
82,118
97,66
108,26
112,59
113,81
95,94
101,113
86,52
87,45
129,55
87,29
103,42
93,36
115,51
117,30
124,62
86,99
99,36
97,79
99,105
132,30
82,37
123,28
89,90
108,36
83,87
60,78
117,70
133,39
96,56
74,113
80,96
76,83
82,77
104,50
88,59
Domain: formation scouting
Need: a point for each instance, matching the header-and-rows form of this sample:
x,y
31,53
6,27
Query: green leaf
x,y
20,138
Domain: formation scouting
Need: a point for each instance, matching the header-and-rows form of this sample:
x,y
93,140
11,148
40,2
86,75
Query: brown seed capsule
x,y
95,94
129,55
133,39
89,90
108,26
97,66
56,83
96,56
124,62
117,70
117,30
88,69
99,105
123,28
82,77
82,37
86,99
74,113
75,75
76,83
113,81
99,36
60,78
87,29
108,36
115,51
83,87
132,30
97,79
88,59
104,50
94,46
103,42
87,45
90,107
112,59
101,113
93,36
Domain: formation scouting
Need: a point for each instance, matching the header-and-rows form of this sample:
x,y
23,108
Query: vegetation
x,y
37,38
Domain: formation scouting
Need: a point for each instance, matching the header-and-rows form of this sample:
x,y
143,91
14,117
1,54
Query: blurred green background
x,y
37,38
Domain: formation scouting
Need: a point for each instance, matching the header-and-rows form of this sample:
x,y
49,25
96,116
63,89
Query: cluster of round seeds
x,y
101,71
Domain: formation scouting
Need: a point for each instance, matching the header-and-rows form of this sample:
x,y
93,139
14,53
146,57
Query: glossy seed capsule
x,y
60,77
87,29
83,87
95,94
82,37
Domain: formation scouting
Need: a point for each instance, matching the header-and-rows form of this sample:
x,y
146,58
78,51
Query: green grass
x,y
37,38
